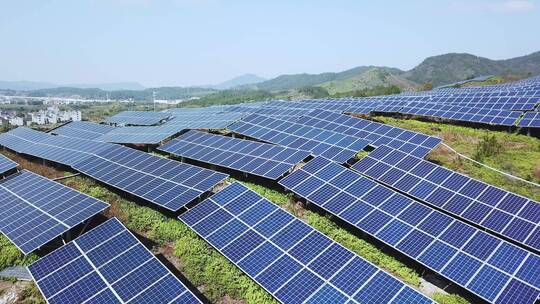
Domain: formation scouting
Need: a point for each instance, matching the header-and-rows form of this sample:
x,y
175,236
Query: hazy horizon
x,y
190,42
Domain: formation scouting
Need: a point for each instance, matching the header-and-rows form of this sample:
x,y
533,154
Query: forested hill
x,y
449,68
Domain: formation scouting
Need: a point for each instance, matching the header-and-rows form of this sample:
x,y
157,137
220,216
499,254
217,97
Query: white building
x,y
16,121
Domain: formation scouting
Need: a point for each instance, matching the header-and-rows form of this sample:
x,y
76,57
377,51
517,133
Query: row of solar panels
x,y
106,265
146,134
130,157
109,265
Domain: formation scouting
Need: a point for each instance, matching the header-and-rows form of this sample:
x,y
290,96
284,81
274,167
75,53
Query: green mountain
x,y
374,77
146,94
449,68
439,70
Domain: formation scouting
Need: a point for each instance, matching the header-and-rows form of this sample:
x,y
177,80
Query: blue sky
x,y
190,42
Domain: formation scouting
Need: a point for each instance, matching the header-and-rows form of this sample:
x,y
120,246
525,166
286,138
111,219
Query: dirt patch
x,y
229,300
18,292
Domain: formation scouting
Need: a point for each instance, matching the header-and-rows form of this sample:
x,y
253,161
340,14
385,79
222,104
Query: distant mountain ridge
x,y
242,80
439,70
37,85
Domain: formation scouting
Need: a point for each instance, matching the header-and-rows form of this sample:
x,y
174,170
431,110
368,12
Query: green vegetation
x,y
228,97
375,91
11,256
444,298
516,154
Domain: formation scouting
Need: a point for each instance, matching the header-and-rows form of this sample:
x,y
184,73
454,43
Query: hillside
x,y
374,77
295,81
241,80
449,68
439,70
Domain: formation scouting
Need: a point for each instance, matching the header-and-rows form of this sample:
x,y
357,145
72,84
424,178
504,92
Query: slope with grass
x,y
516,154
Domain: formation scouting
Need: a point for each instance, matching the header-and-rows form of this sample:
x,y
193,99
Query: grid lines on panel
x,y
379,134
138,118
6,164
288,258
165,182
495,209
34,210
83,130
458,251
247,156
336,146
107,265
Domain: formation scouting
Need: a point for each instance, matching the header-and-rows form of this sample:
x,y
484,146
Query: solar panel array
x,y
167,183
107,265
479,115
288,258
60,149
377,133
495,209
6,164
138,118
140,135
199,120
495,270
530,120
247,156
35,210
336,146
83,130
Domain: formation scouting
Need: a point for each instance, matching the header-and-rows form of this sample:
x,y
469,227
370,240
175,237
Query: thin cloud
x,y
505,7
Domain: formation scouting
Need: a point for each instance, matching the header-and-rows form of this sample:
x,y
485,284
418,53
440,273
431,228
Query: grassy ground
x,y
516,154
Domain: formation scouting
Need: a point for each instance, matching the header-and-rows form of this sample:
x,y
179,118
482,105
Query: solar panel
x,y
6,164
60,149
140,135
247,156
530,120
495,209
479,115
379,134
291,260
200,120
166,183
336,146
107,265
34,210
82,129
138,118
483,264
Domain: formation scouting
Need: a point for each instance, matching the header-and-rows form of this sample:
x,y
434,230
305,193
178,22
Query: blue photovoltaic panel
x,y
495,209
247,156
140,134
378,134
288,258
480,115
138,118
199,120
60,149
34,210
83,130
167,183
460,252
333,145
107,265
530,120
6,164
